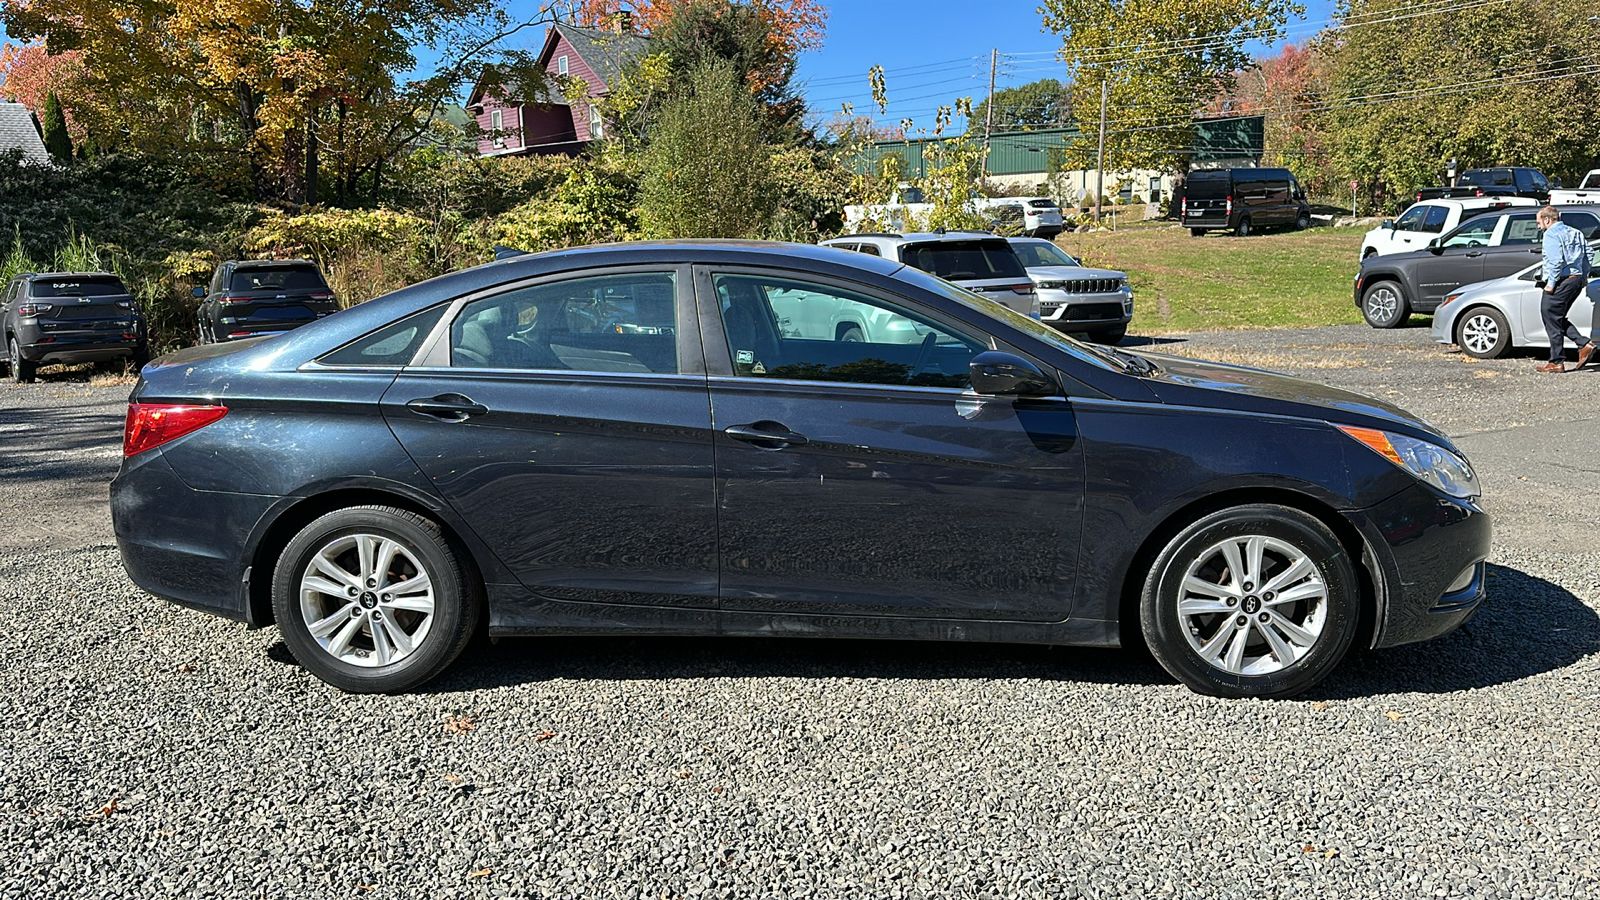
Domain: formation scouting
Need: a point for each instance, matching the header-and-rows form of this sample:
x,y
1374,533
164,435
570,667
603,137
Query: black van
x,y
1243,200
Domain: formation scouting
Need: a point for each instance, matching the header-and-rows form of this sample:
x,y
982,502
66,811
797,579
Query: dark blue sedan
x,y
641,439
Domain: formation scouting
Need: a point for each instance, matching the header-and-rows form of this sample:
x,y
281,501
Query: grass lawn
x,y
1184,283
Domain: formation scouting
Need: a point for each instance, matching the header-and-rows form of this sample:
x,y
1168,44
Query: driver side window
x,y
1411,220
611,323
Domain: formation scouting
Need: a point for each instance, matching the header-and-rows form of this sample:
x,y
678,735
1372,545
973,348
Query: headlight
x,y
1449,299
1051,285
1430,462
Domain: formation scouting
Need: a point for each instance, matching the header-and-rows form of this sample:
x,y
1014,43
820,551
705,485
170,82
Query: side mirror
x,y
998,373
1387,223
199,293
1435,245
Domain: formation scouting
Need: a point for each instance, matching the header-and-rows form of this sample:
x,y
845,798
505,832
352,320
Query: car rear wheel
x,y
1197,232
373,599
1244,227
22,371
1385,306
1252,601
1483,333
1109,335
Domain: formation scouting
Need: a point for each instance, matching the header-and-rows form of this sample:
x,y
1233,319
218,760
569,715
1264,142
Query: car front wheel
x,y
1483,333
1252,601
1384,306
1244,227
373,599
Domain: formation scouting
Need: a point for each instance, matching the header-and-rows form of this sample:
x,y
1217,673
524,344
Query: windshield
x,y
78,287
1078,349
1042,253
278,278
965,260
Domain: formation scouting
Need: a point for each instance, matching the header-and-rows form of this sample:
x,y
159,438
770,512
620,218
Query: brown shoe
x,y
1583,356
1548,368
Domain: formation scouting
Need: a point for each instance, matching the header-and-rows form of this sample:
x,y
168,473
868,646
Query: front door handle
x,y
447,407
766,435
1474,254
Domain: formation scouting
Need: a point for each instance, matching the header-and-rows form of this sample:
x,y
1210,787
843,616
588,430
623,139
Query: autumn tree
x,y
1286,90
1159,61
1491,85
791,26
30,73
1046,103
259,79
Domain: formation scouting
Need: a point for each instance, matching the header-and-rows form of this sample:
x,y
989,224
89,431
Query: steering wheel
x,y
1474,243
923,352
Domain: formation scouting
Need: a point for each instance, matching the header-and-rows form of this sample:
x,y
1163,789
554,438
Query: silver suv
x,y
979,262
1073,298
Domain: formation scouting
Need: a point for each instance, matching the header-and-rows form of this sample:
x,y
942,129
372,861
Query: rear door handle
x,y
448,407
766,435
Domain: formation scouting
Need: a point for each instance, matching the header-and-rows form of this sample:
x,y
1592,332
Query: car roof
x,y
267,263
69,275
919,237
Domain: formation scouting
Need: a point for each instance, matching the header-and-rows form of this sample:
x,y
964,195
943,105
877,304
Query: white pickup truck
x,y
1586,192
1427,219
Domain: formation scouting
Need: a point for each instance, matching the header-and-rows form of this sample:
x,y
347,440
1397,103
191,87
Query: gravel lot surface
x,y
150,751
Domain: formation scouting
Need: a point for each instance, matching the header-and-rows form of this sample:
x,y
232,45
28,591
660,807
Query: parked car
x,y
1587,191
378,482
69,317
981,263
1243,200
253,298
1489,318
1097,302
1425,220
1388,289
1499,181
1033,216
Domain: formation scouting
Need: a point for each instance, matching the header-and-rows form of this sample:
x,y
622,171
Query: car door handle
x,y
766,435
448,407
1474,254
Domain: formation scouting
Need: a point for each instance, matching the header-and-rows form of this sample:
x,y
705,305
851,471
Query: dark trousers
x,y
1554,308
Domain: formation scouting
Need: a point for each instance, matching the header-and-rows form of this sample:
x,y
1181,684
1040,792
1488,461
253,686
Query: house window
x,y
561,65
495,127
596,125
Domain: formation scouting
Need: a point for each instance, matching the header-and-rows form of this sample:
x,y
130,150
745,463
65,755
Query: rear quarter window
x,y
964,260
394,344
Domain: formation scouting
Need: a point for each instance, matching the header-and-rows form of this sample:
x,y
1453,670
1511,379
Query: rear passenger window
x,y
869,249
1588,223
1522,231
610,323
392,345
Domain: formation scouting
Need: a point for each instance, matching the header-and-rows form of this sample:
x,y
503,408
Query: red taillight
x,y
149,425
226,300
322,296
1183,208
1230,206
1022,288
1479,193
1419,196
33,309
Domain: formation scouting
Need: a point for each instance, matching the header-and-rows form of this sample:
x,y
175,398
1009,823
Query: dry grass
x,y
1284,358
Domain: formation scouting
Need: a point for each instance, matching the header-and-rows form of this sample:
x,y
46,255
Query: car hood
x,y
1190,382
1069,273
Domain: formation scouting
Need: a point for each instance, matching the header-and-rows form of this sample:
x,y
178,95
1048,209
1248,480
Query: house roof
x,y
606,52
19,132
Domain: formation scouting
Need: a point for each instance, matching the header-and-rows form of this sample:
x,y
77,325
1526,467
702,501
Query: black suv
x,y
252,298
70,317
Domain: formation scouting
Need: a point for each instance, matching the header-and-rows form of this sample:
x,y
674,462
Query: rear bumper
x,y
180,544
60,346
1426,553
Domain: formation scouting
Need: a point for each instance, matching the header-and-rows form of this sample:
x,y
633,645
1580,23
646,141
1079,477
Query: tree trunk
x,y
311,157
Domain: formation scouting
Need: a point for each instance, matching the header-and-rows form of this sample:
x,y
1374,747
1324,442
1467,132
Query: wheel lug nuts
x,y
1268,596
376,614
1265,617
372,582
351,591
387,597
1232,601
1248,586
355,613
1243,620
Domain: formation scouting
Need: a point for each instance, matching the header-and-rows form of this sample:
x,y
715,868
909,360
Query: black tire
x,y
1384,305
1197,232
140,358
1482,332
1109,335
1177,640
850,334
1302,222
457,601
1244,227
22,371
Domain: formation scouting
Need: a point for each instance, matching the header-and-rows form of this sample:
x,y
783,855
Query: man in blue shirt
x,y
1566,271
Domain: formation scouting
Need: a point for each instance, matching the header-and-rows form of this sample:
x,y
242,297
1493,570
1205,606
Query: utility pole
x,y
988,110
1100,157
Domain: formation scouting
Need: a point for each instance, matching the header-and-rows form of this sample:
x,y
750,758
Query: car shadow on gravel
x,y
1526,627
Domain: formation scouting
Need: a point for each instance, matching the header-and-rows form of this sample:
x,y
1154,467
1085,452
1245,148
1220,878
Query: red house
x,y
510,126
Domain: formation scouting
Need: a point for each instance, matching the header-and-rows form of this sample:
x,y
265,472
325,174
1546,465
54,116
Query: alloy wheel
x,y
367,600
1252,605
1383,305
1480,333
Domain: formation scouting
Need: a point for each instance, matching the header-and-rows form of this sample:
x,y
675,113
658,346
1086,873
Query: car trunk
x,y
1207,197
273,300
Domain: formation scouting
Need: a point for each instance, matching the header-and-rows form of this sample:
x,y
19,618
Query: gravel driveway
x,y
150,751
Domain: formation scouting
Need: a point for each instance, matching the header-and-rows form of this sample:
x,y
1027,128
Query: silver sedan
x,y
1490,317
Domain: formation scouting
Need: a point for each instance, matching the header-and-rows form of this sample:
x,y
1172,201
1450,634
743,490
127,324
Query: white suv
x,y
1072,298
979,262
1036,216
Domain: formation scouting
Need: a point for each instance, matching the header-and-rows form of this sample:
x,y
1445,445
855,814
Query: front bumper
x,y
1426,554
1072,312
